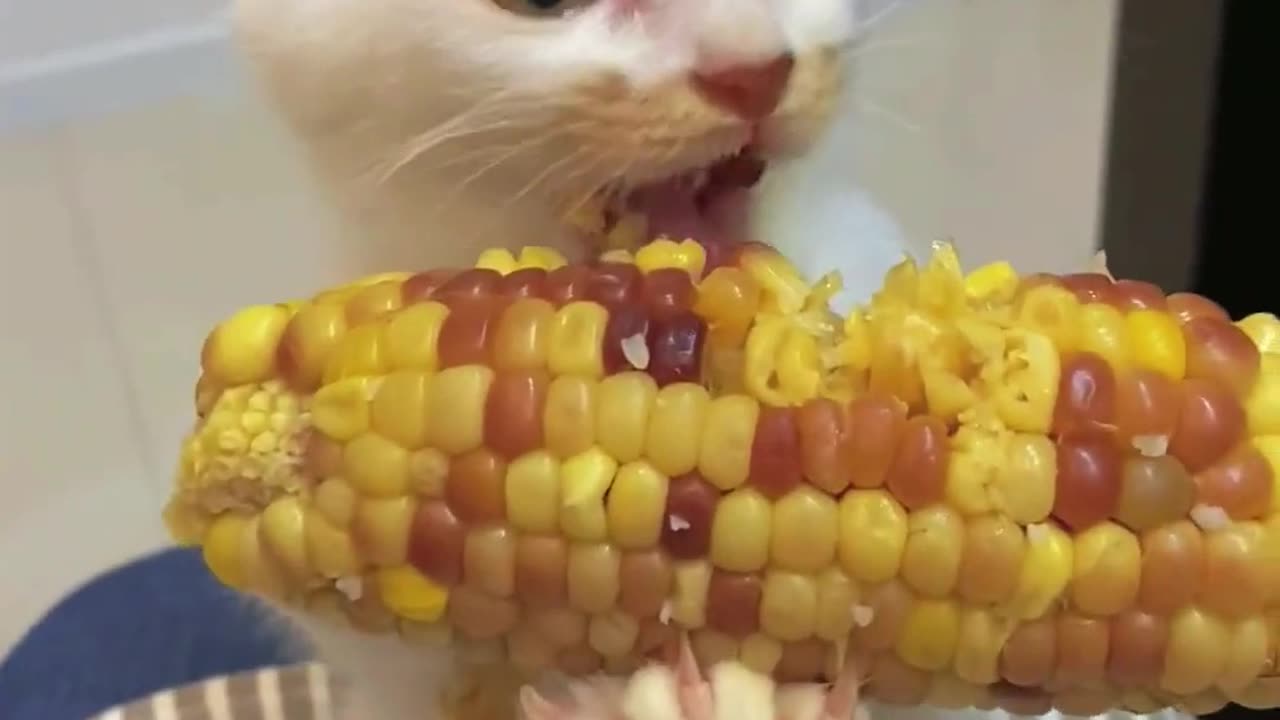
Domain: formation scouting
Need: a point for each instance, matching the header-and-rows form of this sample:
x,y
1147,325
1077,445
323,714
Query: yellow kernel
x,y
1055,312
725,457
975,460
593,573
262,574
376,466
411,336
381,528
585,479
409,594
613,634
1157,342
533,492
1108,560
760,652
569,415
1047,567
428,470
979,643
242,349
934,548
520,341
538,256
310,338
1264,330
264,444
636,505
575,346
489,560
788,605
690,581
459,395
1025,481
995,281
1249,654
340,410
358,353
330,549
929,633
712,647
253,422
837,593
336,501
1262,404
740,531
676,420
284,534
1026,396
623,404
499,260
806,526
950,692
399,408
873,534
1103,332
1198,650
221,549
687,255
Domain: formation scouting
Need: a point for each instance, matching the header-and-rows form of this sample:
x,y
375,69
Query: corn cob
x,y
995,491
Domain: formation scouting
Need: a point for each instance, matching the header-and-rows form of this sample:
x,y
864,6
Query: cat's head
x,y
554,97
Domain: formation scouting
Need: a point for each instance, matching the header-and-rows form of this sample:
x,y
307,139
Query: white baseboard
x,y
196,59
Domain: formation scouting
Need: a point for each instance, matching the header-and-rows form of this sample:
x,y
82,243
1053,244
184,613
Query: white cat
x,y
443,127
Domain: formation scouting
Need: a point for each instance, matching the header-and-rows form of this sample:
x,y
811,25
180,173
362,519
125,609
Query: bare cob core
x,y
1024,492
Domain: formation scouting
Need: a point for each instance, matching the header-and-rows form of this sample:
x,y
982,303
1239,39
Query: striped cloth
x,y
294,692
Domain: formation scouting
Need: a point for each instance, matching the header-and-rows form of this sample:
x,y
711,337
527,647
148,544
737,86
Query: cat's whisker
x,y
907,42
890,114
548,172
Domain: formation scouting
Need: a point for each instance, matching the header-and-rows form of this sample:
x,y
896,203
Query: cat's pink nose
x,y
751,92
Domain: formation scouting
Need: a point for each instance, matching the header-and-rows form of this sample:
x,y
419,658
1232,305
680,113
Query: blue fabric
x,y
159,622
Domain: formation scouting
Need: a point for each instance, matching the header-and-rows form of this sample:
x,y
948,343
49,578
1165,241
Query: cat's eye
x,y
543,8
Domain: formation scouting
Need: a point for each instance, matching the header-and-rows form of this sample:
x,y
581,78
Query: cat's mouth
x,y
708,204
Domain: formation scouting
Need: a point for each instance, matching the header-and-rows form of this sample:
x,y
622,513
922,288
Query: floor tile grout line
x,y
84,248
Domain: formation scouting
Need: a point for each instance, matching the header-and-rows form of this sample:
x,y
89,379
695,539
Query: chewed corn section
x,y
994,490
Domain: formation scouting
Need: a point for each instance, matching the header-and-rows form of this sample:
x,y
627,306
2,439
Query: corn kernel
x,y
934,548
979,642
687,255
341,410
262,574
1262,404
837,593
1025,479
499,260
1047,567
636,505
524,331
584,479
409,594
330,550
623,404
676,420
242,349
1157,342
399,408
929,633
489,560
873,535
538,256
1054,311
1106,570
1026,398
948,691
995,281
788,605
411,336
740,531
593,577
381,528
613,634
725,457
689,593
569,415
377,467
575,345
308,341
1103,332
1249,654
458,394
221,549
760,652
358,353
428,470
1264,330
284,533
1198,650
533,493
806,526
336,501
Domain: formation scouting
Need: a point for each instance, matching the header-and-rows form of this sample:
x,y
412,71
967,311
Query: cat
x,y
443,127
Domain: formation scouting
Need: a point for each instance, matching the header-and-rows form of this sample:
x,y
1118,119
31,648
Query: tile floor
x,y
122,240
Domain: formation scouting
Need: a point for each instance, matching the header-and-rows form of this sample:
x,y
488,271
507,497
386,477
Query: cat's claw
x,y
693,691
